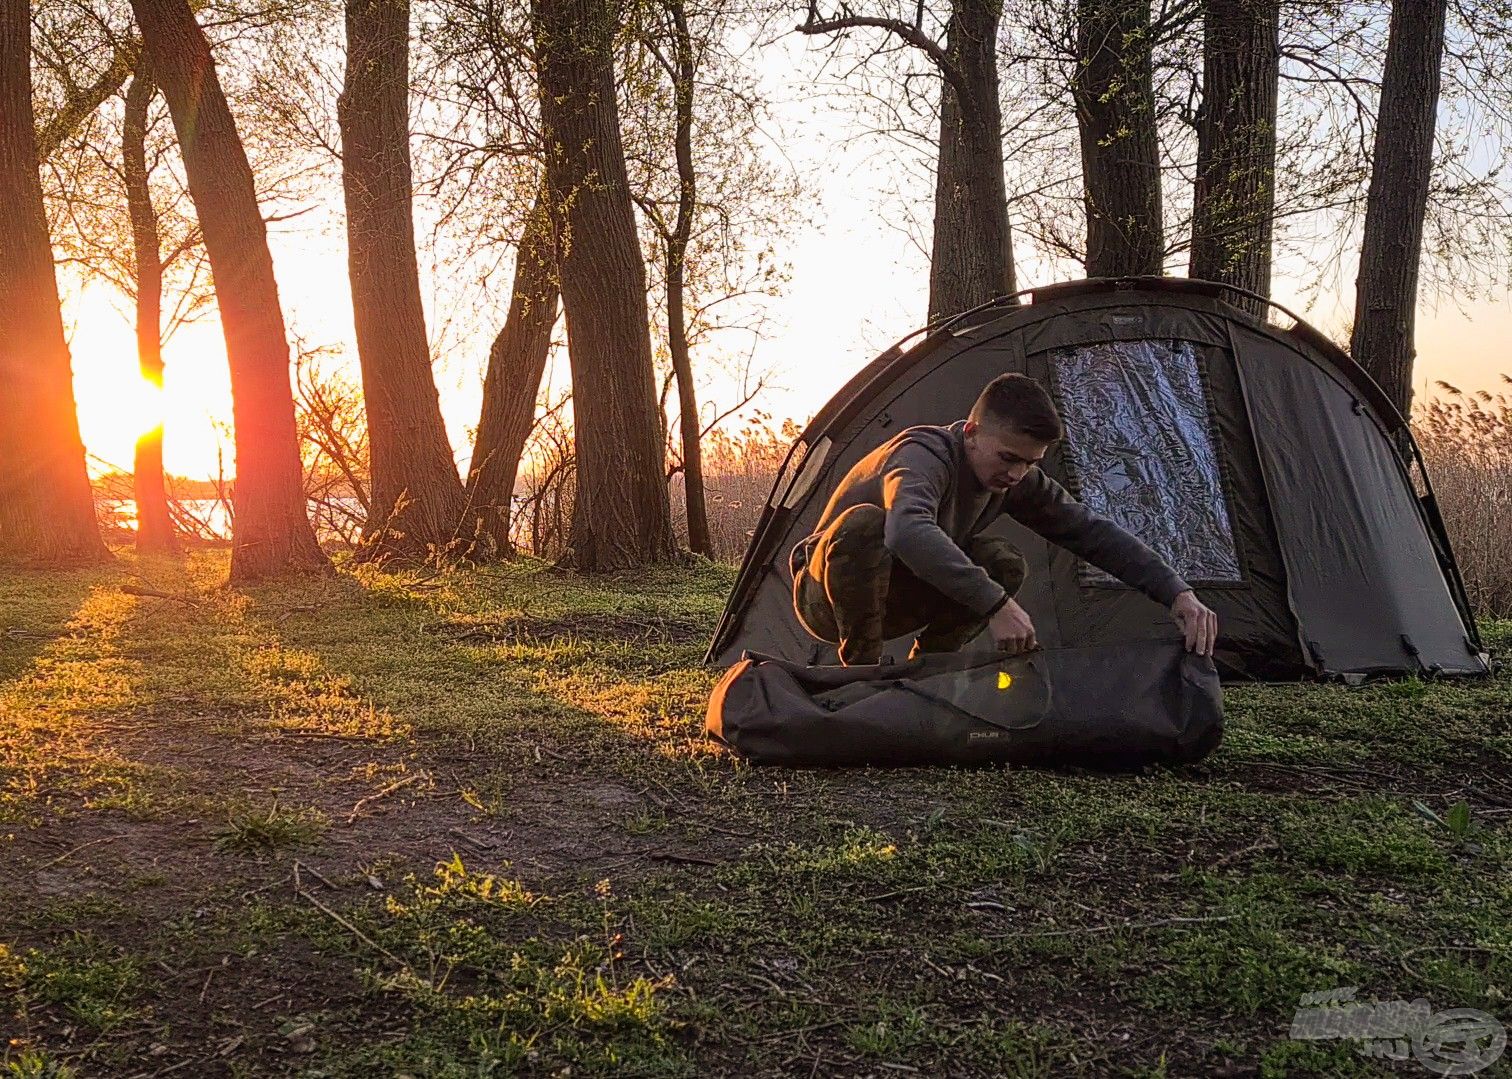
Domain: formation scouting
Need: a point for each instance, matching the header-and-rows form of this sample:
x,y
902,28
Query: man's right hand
x,y
1011,629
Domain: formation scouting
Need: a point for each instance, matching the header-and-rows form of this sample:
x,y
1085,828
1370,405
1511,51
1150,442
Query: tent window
x,y
1140,445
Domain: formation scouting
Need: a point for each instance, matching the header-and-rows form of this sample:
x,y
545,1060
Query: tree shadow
x,y
37,607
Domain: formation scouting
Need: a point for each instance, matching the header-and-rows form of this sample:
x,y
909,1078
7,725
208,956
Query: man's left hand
x,y
1198,622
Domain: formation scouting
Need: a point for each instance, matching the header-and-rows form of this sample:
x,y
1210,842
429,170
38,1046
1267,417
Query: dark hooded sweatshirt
x,y
935,505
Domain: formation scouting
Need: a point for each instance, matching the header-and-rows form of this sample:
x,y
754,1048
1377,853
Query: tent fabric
x,y
1123,399
1371,602
1302,463
1111,708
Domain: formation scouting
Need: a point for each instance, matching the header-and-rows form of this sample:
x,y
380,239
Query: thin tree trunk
x,y
271,534
154,527
1386,288
417,499
972,258
622,518
46,505
516,363
677,261
1234,196
1115,114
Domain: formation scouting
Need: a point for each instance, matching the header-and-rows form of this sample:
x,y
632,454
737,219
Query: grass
x,y
257,831
468,825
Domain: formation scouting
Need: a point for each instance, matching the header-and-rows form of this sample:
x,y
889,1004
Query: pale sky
x,y
858,283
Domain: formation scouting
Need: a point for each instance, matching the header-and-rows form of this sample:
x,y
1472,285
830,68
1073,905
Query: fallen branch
x,y
475,844
317,874
894,895
349,927
70,853
687,859
384,793
1235,855
1110,927
153,593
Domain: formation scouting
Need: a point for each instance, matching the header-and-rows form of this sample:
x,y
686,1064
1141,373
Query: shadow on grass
x,y
38,606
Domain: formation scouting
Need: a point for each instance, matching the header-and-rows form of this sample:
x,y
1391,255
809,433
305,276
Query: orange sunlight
x,y
117,405
838,313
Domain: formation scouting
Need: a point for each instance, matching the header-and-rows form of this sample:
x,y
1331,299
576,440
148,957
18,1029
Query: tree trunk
x,y
1386,288
271,534
972,259
515,365
417,499
677,261
1234,196
622,518
154,527
46,505
1115,114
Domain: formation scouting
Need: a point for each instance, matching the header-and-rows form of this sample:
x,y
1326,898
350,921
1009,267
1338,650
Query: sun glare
x,y
117,405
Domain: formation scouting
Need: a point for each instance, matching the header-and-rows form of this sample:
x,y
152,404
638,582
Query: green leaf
x,y
1458,819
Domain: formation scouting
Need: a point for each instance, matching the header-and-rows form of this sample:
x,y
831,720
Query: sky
x,y
858,283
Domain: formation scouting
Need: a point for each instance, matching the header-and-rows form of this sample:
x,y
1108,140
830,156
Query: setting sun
x,y
117,406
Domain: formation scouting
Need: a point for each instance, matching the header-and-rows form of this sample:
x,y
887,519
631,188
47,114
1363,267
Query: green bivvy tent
x,y
1257,458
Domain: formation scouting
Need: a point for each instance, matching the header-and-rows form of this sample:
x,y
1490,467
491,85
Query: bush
x,y
1466,439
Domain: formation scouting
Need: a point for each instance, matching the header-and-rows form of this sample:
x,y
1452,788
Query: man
x,y
898,548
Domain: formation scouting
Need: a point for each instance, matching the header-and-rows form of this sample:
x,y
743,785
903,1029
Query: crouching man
x,y
898,549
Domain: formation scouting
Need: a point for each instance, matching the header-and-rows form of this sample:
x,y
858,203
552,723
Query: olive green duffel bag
x,y
1120,708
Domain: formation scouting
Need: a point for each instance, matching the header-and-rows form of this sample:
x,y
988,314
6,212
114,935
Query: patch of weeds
x,y
36,1064
1412,688
1456,821
896,1033
257,831
89,980
1015,1050
647,821
1159,1070
492,990
303,695
458,919
673,919
1242,967
92,910
489,797
1371,835
1338,1060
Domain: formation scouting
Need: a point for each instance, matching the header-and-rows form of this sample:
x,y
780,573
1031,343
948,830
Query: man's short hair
x,y
1021,404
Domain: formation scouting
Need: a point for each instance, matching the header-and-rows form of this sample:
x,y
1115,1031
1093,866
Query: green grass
x,y
468,825
83,977
259,831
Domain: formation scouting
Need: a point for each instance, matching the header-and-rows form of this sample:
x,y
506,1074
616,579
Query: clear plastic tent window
x,y
1138,440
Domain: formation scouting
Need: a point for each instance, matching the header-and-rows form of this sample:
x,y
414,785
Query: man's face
x,y
1001,457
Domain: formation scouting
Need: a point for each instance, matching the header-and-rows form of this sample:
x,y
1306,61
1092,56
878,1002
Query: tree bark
x,y
271,533
154,526
621,518
417,499
516,363
972,257
46,505
1386,288
1115,113
691,430
1234,195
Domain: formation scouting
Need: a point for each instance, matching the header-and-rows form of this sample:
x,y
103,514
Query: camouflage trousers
x,y
852,592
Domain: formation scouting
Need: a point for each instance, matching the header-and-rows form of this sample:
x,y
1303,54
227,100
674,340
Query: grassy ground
x,y
468,825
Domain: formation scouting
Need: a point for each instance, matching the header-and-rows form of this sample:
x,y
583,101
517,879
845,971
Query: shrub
x,y
1466,439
